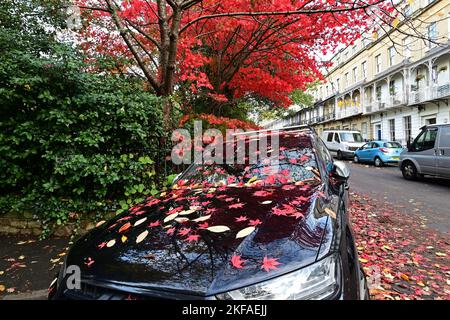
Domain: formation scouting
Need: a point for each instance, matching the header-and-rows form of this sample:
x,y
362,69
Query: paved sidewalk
x,y
27,265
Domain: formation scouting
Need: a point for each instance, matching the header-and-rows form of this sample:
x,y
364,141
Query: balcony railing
x,y
348,111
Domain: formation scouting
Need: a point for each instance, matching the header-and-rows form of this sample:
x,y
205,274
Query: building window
x,y
355,74
391,52
392,129
347,82
377,63
364,70
338,85
407,47
364,130
432,34
392,88
407,128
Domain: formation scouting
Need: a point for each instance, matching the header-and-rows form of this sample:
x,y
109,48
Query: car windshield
x,y
351,137
392,145
295,162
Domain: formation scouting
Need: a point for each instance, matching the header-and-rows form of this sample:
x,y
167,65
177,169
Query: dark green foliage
x,y
70,140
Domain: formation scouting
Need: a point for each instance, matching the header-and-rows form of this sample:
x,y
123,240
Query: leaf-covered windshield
x,y
292,164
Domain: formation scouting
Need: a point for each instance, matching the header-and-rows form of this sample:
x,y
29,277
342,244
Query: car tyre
x,y
339,155
409,171
355,159
378,162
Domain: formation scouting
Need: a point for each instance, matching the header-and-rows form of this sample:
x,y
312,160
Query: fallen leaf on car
x,y
2,288
142,236
441,254
111,243
267,202
100,223
21,257
123,239
245,232
170,217
218,229
140,221
202,218
270,264
237,262
125,227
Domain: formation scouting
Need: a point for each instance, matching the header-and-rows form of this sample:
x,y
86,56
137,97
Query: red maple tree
x,y
223,50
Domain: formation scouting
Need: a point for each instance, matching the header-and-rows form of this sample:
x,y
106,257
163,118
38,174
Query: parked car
x,y
261,237
429,154
342,143
379,152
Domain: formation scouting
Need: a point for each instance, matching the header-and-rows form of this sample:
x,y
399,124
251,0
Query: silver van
x,y
342,143
429,154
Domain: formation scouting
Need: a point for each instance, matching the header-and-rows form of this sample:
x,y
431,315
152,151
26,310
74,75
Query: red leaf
x,y
270,264
237,262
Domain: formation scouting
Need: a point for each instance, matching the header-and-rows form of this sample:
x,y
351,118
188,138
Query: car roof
x,y
349,131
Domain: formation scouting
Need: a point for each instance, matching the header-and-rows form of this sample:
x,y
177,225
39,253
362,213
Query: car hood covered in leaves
x,y
201,242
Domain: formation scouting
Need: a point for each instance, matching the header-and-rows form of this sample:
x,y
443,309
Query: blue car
x,y
379,152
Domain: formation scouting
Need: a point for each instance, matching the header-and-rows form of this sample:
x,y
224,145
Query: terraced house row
x,y
389,83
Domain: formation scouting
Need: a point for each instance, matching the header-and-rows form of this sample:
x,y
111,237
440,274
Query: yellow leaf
x,y
100,223
2,273
244,232
363,260
375,35
111,243
142,236
404,277
140,221
124,238
218,229
162,194
440,254
202,218
2,288
395,22
22,257
170,217
330,212
186,212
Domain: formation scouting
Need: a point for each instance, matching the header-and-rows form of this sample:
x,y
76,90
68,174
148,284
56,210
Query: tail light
x,y
384,150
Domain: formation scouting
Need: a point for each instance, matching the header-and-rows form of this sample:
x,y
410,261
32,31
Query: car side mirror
x,y
408,145
340,170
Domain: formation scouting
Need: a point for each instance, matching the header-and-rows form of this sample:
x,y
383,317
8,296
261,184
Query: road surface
x,y
429,197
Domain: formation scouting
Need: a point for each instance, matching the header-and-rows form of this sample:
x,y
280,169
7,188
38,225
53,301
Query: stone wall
x,y
24,223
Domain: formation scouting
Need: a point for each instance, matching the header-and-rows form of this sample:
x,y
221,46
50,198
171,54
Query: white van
x,y
342,143
429,154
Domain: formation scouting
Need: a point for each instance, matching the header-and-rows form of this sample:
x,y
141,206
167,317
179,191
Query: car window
x,y
392,145
444,139
336,138
367,146
425,140
330,137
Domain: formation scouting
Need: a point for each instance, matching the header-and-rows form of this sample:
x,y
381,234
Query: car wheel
x,y
339,155
378,162
409,171
355,159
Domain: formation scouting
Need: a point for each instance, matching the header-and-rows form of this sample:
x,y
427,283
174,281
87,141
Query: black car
x,y
261,231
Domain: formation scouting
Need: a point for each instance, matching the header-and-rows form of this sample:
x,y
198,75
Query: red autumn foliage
x,y
224,49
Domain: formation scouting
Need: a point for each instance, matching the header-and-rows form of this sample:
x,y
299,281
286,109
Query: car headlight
x,y
345,146
321,280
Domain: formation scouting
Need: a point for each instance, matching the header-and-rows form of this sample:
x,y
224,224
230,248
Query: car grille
x,y
352,148
91,292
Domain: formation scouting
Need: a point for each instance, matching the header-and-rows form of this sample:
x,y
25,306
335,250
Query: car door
x,y
336,142
372,152
443,152
424,152
329,141
363,153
